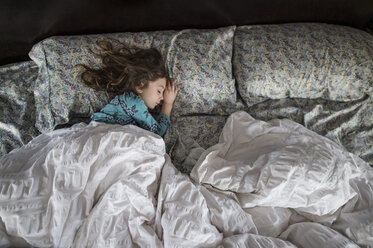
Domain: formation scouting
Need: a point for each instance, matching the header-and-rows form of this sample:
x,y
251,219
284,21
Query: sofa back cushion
x,y
198,60
302,60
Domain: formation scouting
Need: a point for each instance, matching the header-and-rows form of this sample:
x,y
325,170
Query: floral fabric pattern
x,y
349,124
302,60
322,83
198,60
17,109
192,133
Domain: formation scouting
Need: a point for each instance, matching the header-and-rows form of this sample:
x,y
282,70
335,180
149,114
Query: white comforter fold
x,y
286,167
265,184
87,186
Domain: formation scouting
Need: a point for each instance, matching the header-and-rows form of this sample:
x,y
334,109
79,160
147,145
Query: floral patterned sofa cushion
x,y
17,111
189,136
302,60
198,60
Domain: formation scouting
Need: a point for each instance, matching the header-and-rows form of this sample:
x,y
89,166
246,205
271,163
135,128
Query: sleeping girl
x,y
136,80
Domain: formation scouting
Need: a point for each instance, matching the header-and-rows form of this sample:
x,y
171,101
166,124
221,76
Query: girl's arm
x,y
128,107
166,108
145,120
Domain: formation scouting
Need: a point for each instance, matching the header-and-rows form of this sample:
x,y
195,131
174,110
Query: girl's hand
x,y
169,96
170,93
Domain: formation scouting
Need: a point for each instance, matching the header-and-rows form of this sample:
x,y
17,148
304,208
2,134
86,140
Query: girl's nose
x,y
161,97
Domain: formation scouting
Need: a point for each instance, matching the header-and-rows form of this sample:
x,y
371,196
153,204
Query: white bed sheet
x,y
265,184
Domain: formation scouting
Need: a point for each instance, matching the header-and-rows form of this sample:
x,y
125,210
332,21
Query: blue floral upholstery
x,y
318,75
17,111
188,133
302,60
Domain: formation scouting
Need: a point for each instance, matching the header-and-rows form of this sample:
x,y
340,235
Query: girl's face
x,y
153,94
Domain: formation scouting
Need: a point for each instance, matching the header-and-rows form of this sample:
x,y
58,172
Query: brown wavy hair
x,y
124,68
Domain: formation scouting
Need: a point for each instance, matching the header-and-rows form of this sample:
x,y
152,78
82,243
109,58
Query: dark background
x,y
24,23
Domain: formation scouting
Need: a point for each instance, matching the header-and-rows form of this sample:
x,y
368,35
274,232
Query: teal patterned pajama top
x,y
130,109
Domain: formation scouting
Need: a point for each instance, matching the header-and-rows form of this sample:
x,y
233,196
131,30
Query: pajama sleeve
x,y
130,109
137,109
147,121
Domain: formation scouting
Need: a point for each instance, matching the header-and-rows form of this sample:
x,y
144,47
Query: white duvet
x,y
265,184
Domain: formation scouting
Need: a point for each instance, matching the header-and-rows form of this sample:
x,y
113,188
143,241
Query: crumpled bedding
x,y
347,123
265,184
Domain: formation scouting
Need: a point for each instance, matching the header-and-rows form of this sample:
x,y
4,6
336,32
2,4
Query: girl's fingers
x,y
172,85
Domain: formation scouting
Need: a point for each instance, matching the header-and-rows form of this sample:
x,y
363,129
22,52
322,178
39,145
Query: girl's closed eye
x,y
160,91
